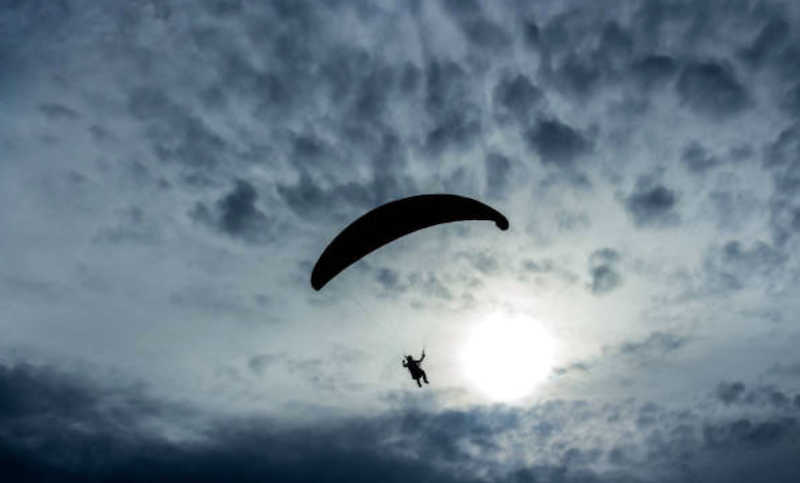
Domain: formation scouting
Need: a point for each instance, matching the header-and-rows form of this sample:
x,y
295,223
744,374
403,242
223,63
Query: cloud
x,y
58,112
261,363
638,354
476,27
792,370
697,160
213,300
236,214
656,345
516,96
736,264
451,107
653,71
390,280
575,367
538,266
337,108
729,392
430,286
757,258
557,143
712,88
310,200
577,77
790,101
499,171
737,393
59,427
772,37
603,270
748,435
175,133
652,204
782,159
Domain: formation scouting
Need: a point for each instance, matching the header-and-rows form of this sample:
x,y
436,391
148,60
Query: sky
x,y
170,171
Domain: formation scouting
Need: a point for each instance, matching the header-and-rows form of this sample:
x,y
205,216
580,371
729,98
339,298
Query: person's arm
x,y
405,364
422,358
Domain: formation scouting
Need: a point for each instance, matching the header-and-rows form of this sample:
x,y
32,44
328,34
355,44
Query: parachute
x,y
393,220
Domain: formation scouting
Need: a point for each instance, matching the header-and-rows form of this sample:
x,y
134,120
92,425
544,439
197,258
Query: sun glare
x,y
506,357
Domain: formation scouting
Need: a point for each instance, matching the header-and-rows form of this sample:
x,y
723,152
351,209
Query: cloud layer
x,y
171,169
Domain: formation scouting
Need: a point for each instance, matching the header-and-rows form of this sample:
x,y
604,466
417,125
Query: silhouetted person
x,y
413,367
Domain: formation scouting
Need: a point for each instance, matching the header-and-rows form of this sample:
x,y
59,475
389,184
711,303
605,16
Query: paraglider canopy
x,y
393,220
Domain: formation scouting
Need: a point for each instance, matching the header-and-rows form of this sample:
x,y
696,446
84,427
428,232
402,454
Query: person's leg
x,y
418,383
424,377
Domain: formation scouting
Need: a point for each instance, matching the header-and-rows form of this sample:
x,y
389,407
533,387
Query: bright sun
x,y
507,356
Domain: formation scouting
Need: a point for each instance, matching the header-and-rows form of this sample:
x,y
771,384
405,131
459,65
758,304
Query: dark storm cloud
x,y
41,407
65,428
652,204
30,392
236,214
557,143
57,428
603,270
712,88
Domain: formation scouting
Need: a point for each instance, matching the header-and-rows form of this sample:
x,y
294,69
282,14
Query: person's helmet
x,y
409,358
